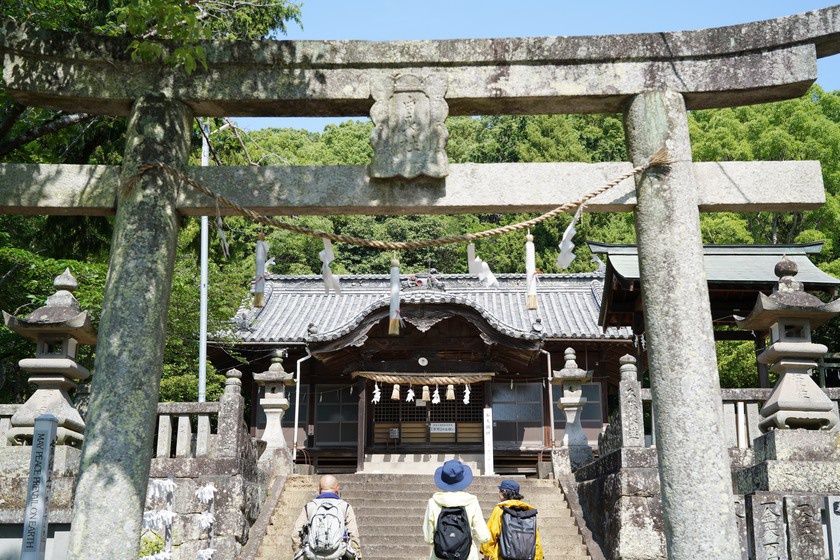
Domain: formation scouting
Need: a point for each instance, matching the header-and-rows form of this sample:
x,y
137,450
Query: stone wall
x,y
622,505
229,463
782,487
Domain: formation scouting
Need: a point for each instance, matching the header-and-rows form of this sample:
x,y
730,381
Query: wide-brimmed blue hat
x,y
453,476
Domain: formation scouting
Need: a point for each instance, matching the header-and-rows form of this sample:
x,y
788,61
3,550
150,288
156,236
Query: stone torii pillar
x,y
117,452
694,467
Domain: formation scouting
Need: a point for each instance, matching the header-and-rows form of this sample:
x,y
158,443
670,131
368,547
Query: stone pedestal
x,y
786,492
51,396
790,461
14,478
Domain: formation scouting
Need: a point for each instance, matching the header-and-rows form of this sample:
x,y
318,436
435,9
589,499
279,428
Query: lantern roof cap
x,y
788,300
62,315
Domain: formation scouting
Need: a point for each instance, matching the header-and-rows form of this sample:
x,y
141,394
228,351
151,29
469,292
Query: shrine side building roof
x,y
297,309
735,274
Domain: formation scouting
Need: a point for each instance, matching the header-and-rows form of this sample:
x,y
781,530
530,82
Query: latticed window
x,y
423,423
591,413
388,410
518,414
336,415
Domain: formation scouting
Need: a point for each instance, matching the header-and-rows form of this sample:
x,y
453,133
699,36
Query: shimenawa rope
x,y
660,158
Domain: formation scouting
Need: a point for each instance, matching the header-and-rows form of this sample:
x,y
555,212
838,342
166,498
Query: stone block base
x,y
797,445
14,460
821,477
622,505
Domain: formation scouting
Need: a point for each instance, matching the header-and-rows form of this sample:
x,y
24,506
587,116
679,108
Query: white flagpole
x,y
202,337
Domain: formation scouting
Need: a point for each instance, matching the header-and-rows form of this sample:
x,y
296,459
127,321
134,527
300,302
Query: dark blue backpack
x,y
452,539
518,539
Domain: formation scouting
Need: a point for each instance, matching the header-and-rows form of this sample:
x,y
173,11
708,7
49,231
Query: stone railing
x,y
6,413
220,452
740,412
628,427
182,416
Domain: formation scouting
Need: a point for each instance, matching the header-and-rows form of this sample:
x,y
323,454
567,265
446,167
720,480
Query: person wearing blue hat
x,y
512,505
453,516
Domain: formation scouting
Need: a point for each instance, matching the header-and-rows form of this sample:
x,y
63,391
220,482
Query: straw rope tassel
x,y
394,314
327,256
531,271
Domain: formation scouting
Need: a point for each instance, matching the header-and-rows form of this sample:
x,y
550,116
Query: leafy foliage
x,y
165,30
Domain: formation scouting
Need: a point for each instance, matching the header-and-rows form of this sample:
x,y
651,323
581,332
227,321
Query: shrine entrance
x,y
420,423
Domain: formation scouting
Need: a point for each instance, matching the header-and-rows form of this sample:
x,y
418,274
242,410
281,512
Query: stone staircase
x,y
389,509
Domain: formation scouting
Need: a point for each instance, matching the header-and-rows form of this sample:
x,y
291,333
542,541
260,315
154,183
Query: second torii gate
x,y
408,88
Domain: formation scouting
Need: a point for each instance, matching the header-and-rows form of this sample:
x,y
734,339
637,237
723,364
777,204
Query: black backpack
x,y
452,535
518,540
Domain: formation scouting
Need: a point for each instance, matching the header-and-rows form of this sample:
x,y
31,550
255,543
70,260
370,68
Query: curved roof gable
x,y
297,309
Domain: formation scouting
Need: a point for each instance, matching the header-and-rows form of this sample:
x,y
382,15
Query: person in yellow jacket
x,y
510,497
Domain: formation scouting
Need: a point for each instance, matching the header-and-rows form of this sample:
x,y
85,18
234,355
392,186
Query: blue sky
x,y
384,20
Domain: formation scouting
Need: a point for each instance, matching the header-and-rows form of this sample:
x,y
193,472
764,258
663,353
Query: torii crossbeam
x,y
651,78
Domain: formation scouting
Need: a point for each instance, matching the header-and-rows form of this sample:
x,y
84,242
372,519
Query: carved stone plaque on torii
x,y
408,88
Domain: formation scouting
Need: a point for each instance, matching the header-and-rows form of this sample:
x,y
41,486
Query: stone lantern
x,y
274,403
57,329
791,314
571,377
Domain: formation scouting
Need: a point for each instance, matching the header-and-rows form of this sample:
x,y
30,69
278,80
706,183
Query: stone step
x,y
393,551
423,498
549,537
390,509
415,526
390,478
374,508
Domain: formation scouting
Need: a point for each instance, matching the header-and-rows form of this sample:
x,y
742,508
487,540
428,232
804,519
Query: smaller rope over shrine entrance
x,y
425,378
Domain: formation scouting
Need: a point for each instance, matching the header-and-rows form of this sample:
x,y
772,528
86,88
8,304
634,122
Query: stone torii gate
x,y
408,88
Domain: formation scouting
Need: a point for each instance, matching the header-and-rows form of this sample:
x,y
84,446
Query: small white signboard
x,y
393,433
36,514
488,441
442,428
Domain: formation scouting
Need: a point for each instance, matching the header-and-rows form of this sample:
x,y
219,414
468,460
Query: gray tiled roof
x,y
733,263
568,306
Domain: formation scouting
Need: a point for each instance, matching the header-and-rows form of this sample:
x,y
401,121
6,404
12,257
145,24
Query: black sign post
x,y
36,514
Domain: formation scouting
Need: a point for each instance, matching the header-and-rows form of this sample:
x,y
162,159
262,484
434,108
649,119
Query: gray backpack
x,y
327,535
